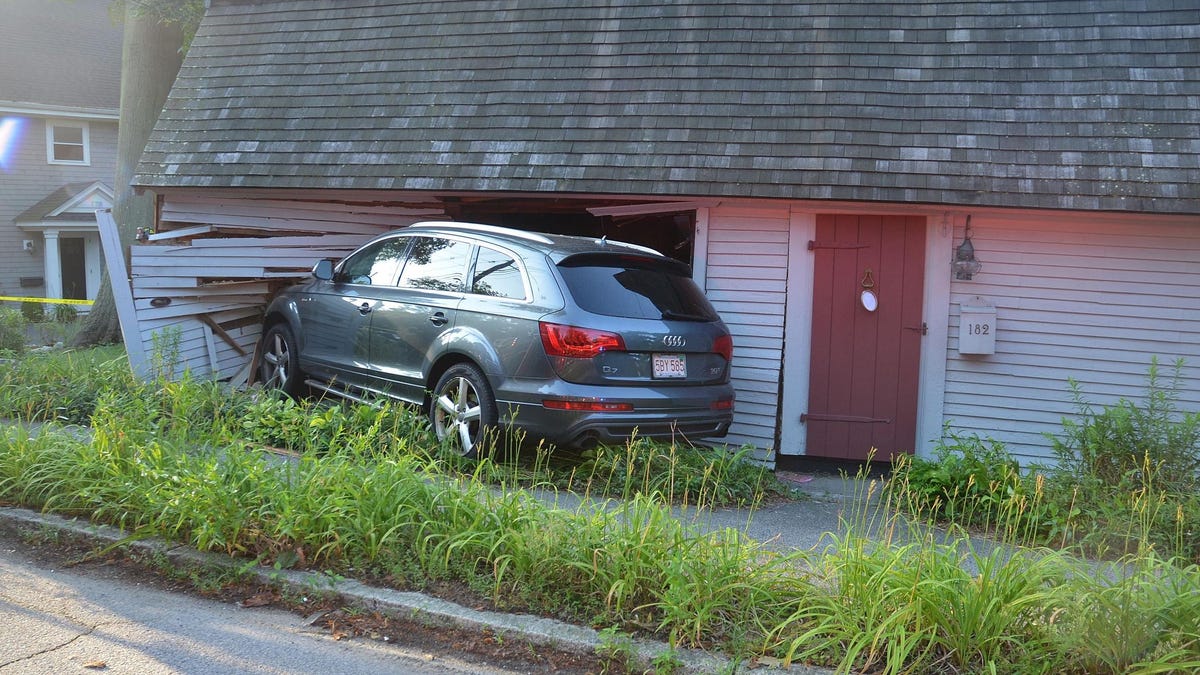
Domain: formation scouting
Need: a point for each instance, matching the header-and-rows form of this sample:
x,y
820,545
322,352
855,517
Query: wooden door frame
x,y
792,436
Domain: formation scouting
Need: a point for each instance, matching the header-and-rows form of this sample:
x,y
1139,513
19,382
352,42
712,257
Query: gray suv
x,y
572,339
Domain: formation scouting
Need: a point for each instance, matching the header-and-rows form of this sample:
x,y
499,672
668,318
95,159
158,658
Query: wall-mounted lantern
x,y
965,264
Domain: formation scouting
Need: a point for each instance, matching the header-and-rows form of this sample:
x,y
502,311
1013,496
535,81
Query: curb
x,y
536,630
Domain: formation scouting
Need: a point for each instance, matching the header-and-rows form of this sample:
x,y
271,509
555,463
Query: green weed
x,y
368,491
12,331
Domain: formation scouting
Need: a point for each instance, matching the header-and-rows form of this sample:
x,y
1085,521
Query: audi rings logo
x,y
674,341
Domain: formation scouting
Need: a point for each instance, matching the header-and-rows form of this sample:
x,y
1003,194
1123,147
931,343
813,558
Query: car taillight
x,y
587,406
723,345
722,404
577,343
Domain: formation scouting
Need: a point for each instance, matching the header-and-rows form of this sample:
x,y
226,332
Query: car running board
x,y
341,393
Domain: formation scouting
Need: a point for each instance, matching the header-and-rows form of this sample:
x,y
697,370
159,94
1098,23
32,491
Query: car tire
x,y
462,410
279,361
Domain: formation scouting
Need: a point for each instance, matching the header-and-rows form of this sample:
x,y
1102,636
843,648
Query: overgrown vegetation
x,y
60,324
367,491
12,332
1127,477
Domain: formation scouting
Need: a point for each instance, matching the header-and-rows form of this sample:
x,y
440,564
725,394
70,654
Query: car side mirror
x,y
323,270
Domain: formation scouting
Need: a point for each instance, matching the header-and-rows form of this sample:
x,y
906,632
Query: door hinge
x,y
824,417
813,245
923,329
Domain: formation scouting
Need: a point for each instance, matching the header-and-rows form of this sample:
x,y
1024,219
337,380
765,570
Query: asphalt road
x,y
67,621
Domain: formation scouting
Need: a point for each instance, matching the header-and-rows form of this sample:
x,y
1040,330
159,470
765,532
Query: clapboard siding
x,y
186,344
202,238
1093,302
746,278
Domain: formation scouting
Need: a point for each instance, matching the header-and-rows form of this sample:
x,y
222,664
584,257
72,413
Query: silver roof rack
x,y
490,229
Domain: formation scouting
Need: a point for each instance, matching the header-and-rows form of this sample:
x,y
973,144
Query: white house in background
x,y
822,166
59,94
65,221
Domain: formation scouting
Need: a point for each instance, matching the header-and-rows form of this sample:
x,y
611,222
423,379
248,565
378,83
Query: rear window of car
x,y
635,287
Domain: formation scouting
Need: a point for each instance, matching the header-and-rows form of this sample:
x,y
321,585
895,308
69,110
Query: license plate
x,y
669,365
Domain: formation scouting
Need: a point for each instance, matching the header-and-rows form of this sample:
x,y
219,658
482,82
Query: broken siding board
x,y
142,283
184,307
246,272
119,280
211,345
339,210
350,241
284,219
187,344
152,324
251,287
146,259
179,234
280,224
287,239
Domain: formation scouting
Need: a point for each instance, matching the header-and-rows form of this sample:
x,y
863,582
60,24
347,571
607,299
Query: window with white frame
x,y
67,142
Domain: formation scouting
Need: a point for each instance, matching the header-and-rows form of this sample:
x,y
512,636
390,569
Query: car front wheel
x,y
279,364
463,409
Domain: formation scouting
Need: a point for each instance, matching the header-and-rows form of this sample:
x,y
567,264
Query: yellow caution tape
x,y
51,301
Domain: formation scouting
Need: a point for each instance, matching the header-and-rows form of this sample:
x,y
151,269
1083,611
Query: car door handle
x,y
364,308
438,319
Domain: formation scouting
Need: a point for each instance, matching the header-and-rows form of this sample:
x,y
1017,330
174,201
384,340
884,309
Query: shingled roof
x,y
1038,104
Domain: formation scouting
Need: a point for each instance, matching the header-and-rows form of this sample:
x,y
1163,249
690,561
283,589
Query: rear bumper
x,y
665,413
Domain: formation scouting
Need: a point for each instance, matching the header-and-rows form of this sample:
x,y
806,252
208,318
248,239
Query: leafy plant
x,y
32,311
1115,444
967,480
617,650
12,331
65,314
1134,467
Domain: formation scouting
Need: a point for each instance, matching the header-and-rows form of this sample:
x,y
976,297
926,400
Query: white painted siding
x,y
1089,301
202,264
747,283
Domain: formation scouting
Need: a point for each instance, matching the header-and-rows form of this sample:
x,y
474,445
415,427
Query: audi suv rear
x,y
572,339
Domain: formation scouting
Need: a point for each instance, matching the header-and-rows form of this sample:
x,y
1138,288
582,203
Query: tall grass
x,y
61,386
889,592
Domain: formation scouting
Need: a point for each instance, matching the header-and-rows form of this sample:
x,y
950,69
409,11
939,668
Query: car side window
x,y
436,264
377,265
498,275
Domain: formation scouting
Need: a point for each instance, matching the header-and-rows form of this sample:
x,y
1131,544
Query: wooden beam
x,y
114,258
220,332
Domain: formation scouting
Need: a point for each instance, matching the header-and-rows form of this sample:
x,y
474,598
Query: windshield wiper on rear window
x,y
681,316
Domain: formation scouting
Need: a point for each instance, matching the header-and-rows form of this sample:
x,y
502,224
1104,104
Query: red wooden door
x,y
865,364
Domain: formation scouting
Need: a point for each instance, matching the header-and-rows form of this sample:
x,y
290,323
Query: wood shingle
x,y
1058,105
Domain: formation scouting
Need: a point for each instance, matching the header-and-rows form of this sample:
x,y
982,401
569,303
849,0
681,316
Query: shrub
x,y
1134,468
970,480
1113,445
12,331
65,314
32,311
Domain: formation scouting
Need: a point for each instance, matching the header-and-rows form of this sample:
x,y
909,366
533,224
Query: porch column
x,y
52,264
